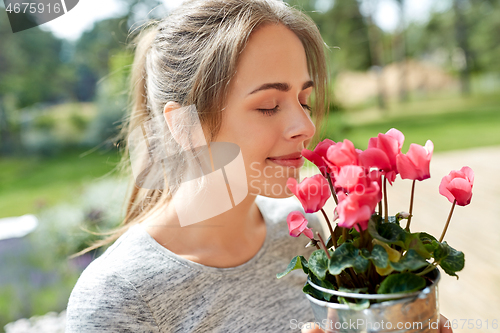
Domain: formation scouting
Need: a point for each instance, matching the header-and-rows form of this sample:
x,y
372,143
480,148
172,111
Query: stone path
x,y
474,230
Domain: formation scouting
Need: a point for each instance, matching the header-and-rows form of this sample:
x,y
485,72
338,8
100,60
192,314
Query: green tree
x,y
31,71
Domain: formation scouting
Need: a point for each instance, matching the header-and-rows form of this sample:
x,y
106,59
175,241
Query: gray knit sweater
x,y
137,285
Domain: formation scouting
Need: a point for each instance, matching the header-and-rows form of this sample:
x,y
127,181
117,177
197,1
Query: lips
x,y
291,160
287,157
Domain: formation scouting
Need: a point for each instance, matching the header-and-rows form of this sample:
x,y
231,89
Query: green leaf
x,y
413,241
441,250
426,238
318,263
393,232
429,242
389,233
379,256
346,256
354,233
401,283
329,242
296,263
453,262
322,283
410,261
360,304
432,247
308,289
354,290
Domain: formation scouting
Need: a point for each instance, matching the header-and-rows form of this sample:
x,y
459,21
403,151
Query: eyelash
x,y
270,112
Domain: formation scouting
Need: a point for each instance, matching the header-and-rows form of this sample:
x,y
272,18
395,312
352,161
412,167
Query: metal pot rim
x,y
422,292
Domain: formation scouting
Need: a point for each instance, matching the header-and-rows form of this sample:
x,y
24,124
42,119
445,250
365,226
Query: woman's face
x,y
269,120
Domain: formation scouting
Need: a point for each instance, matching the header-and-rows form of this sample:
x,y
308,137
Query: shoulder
x,y
104,301
113,292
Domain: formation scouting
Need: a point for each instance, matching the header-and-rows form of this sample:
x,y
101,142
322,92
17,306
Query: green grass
x,y
451,123
27,184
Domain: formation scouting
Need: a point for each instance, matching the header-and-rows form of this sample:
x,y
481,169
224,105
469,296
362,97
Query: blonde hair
x,y
189,57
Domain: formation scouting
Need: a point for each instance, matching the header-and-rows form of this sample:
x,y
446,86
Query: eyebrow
x,y
281,86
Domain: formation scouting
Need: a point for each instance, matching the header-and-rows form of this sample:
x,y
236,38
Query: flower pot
x,y
405,312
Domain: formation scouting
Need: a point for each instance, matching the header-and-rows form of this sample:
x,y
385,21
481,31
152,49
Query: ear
x,y
188,135
170,106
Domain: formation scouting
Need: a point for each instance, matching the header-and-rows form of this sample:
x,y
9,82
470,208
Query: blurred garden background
x,y
428,68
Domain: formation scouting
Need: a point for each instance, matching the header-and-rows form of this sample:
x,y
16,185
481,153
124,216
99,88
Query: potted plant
x,y
372,273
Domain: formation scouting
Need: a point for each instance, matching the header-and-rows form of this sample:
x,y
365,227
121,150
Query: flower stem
x,y
385,201
334,194
361,238
323,243
411,206
334,240
448,221
344,234
354,277
380,208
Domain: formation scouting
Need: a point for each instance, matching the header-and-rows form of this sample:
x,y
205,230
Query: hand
x,y
309,328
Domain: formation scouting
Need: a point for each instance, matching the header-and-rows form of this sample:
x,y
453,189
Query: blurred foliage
x,y
40,274
30,66
111,102
344,30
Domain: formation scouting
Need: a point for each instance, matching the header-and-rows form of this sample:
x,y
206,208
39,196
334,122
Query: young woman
x,y
250,69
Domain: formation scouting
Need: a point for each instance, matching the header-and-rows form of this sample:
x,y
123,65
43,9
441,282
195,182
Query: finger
x,y
311,328
442,322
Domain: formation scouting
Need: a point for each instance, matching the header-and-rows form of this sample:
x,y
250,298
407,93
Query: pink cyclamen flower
x,y
415,164
318,154
340,154
375,158
349,176
357,207
390,143
312,192
297,224
351,213
458,186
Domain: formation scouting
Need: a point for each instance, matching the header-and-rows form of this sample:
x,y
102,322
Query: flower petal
x,y
461,190
308,232
375,157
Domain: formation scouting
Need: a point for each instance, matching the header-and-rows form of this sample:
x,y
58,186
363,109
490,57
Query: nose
x,y
300,126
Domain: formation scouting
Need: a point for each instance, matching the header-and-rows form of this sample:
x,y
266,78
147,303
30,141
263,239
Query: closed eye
x,y
270,112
